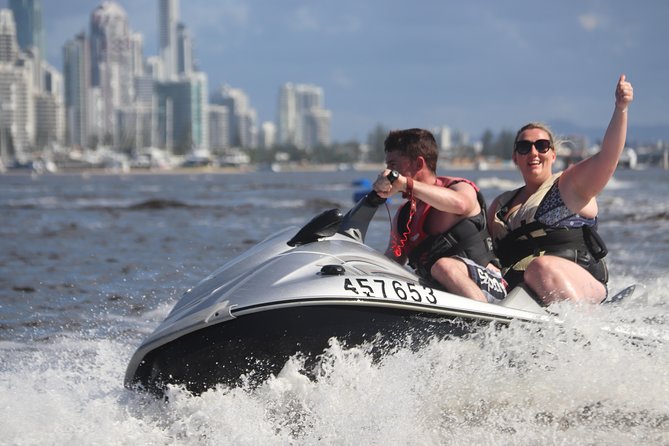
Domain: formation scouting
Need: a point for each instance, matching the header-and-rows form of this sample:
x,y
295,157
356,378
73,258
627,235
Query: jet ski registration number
x,y
390,289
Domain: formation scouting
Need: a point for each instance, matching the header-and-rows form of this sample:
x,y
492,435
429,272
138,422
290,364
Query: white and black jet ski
x,y
294,291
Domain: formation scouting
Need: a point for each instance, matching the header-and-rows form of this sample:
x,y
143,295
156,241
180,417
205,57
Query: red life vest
x,y
408,229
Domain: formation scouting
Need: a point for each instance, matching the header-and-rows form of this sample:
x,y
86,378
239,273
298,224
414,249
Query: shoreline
x,y
274,168
282,168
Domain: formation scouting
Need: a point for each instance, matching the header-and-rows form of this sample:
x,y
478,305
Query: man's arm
x,y
458,199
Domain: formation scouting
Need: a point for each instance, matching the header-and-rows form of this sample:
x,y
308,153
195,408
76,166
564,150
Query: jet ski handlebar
x,y
356,221
354,224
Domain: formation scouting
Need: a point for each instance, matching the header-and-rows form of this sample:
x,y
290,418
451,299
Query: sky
x,y
470,65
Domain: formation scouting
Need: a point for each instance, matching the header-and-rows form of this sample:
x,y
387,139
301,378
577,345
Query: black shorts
x,y
489,281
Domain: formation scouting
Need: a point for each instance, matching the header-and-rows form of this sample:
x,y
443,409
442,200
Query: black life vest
x,y
581,245
468,238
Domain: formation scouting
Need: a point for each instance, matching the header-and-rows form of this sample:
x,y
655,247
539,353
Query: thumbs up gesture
x,y
624,93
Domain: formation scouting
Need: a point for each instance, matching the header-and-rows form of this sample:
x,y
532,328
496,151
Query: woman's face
x,y
534,166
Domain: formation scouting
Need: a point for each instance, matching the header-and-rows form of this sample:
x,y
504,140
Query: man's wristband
x,y
408,190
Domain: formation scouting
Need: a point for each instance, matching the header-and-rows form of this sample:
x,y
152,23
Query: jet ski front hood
x,y
335,271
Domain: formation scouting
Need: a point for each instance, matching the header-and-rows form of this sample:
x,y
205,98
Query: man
x,y
441,229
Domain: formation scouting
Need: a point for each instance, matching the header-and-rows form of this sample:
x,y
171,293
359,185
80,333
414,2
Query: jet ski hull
x,y
255,346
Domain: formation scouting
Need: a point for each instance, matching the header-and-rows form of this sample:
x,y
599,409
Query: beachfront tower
x,y
76,73
29,31
302,120
168,28
111,55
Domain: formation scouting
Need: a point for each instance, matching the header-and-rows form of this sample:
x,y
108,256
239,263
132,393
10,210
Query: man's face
x,y
396,161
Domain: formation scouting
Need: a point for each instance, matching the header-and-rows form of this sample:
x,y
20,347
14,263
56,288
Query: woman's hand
x,y
624,94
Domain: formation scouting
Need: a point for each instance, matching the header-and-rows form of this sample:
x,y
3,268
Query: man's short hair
x,y
413,143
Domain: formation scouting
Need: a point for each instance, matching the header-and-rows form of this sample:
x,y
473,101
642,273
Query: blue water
x,y
90,264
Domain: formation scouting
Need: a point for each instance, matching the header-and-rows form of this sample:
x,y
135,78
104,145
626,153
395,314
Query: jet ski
x,y
293,292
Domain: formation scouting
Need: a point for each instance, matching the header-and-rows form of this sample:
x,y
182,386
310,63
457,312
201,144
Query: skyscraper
x,y
287,115
243,118
30,34
267,135
28,18
34,98
219,125
168,19
317,127
182,117
17,116
111,64
49,110
181,114
76,65
9,50
184,51
302,120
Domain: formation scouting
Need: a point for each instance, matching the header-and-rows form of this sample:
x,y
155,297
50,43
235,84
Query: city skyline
x,y
480,65
112,94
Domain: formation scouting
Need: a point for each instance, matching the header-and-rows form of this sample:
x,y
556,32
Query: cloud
x,y
503,28
341,78
348,24
307,20
589,22
231,12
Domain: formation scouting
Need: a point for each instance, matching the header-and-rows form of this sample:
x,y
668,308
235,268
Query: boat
x,y
293,292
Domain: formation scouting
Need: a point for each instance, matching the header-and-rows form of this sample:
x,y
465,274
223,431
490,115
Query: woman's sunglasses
x,y
524,146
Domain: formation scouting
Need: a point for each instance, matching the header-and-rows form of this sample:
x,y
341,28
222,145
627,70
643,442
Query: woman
x,y
545,232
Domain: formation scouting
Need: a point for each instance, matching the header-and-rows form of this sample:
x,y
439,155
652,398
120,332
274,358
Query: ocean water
x,y
90,264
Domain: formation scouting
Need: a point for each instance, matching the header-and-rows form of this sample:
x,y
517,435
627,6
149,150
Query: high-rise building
x,y
181,126
30,34
137,54
200,109
302,120
135,121
17,116
287,115
111,64
9,48
144,89
182,117
76,73
185,63
308,101
49,110
134,129
243,118
28,18
317,127
35,88
443,136
153,67
168,20
219,128
250,129
267,135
